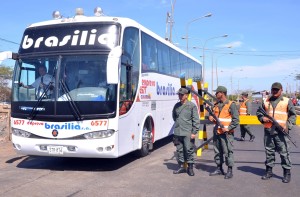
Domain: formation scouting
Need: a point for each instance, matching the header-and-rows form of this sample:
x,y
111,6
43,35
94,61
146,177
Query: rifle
x,y
212,114
202,145
210,95
276,124
218,123
197,94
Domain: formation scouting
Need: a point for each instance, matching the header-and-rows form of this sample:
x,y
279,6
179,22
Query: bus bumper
x,y
89,148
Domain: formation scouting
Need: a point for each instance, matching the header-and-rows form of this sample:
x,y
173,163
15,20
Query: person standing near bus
x,y
245,110
187,124
223,138
283,111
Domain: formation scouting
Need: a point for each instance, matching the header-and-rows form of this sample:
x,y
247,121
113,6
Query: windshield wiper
x,y
74,108
44,95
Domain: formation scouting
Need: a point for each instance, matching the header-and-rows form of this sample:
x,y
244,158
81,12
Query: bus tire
x,y
147,139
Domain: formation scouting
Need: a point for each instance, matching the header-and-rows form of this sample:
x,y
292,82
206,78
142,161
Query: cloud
x,y
234,44
258,77
277,68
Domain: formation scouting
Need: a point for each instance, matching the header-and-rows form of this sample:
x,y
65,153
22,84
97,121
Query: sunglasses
x,y
274,89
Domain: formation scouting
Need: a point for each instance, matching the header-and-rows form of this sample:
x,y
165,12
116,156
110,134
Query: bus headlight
x,y
99,134
20,133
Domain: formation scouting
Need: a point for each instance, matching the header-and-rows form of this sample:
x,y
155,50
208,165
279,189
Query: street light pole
x,y
212,67
231,78
217,65
203,51
187,29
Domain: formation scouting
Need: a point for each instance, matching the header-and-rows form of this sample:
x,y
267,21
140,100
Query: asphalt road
x,y
149,176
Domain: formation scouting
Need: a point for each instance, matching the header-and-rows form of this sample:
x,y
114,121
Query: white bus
x,y
112,90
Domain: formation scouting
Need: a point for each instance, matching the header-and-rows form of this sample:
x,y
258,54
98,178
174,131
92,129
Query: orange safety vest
x,y
243,108
224,116
279,113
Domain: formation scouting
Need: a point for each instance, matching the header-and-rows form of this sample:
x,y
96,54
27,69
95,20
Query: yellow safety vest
x,y
224,116
279,113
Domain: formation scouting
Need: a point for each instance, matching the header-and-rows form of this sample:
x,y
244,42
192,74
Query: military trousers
x,y
184,148
279,143
223,148
245,129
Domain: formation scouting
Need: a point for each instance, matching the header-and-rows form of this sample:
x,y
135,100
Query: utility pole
x,y
170,22
167,24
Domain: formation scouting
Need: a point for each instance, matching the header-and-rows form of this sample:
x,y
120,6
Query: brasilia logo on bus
x,y
168,90
66,126
54,133
71,40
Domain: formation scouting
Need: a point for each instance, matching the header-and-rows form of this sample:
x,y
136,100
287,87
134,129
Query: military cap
x,y
183,91
276,85
221,89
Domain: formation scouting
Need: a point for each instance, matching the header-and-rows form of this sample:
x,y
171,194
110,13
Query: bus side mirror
x,y
8,55
113,65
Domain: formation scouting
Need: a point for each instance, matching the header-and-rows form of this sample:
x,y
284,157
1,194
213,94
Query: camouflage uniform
x,y
187,122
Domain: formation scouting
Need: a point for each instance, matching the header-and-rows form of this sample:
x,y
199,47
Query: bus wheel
x,y
147,142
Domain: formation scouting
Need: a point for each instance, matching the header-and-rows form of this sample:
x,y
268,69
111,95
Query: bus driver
x,y
41,83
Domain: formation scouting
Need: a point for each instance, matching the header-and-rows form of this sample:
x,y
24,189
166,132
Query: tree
x,y
6,73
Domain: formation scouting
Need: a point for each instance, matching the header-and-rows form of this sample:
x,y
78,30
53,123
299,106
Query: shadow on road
x,y
81,164
256,171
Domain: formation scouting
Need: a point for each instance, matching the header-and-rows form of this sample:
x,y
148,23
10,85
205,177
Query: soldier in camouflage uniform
x,y
187,124
245,110
223,138
283,111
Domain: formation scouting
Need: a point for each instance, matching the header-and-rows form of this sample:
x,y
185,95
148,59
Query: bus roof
x,y
123,21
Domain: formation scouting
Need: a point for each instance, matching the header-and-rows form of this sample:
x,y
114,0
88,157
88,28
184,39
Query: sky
x,y
262,46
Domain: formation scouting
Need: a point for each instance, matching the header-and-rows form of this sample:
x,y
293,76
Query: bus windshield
x,y
77,79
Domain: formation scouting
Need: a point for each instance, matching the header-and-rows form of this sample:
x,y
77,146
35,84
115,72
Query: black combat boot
x,y
190,170
241,139
286,176
268,174
181,169
229,174
252,138
218,171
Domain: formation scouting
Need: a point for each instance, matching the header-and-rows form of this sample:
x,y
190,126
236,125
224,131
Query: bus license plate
x,y
55,150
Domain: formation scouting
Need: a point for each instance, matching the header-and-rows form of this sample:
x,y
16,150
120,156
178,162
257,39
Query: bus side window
x,y
153,63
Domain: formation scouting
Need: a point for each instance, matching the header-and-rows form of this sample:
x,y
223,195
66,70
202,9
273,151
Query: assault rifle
x,y
218,123
210,95
208,109
276,124
197,94
203,144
